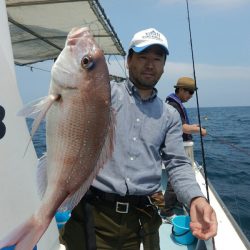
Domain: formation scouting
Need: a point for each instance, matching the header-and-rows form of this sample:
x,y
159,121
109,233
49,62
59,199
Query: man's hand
x,y
203,219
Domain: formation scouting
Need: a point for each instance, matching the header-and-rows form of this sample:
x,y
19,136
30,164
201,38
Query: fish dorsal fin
x,y
37,110
108,146
105,154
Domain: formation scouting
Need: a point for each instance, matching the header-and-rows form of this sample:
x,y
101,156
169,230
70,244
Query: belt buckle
x,y
122,207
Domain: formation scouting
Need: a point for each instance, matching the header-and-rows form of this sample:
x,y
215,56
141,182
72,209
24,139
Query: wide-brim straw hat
x,y
186,82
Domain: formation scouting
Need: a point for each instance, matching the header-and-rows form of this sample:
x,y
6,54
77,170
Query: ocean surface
x,y
226,154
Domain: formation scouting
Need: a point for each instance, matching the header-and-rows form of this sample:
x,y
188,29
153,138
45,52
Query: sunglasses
x,y
191,92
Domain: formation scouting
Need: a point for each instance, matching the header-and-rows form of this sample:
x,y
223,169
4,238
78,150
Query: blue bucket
x,y
13,247
181,230
62,218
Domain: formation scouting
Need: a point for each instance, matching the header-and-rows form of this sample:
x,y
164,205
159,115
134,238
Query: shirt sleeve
x,y
177,164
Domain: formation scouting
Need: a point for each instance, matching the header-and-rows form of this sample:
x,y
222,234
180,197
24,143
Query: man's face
x,y
146,68
185,94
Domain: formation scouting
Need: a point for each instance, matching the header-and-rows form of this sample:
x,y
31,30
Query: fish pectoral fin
x,y
37,110
32,109
43,108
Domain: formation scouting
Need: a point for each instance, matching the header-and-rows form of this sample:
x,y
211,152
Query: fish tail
x,y
25,236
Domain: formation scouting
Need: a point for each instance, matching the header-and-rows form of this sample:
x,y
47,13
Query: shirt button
x,y
131,158
134,138
137,119
128,179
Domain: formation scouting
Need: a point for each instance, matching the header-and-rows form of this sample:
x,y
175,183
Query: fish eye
x,y
87,62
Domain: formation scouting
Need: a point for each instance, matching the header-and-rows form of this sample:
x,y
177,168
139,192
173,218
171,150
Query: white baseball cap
x,y
145,38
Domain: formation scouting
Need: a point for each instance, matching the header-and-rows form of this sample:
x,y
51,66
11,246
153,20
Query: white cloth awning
x,y
39,28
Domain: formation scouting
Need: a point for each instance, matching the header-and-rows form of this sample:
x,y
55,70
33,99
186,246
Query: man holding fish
x,y
110,139
117,212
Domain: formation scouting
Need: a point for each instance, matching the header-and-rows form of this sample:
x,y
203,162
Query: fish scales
x,y
80,128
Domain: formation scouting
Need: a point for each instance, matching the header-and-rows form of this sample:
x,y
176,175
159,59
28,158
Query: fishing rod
x,y
197,103
198,111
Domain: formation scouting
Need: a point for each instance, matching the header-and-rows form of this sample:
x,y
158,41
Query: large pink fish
x,y
79,133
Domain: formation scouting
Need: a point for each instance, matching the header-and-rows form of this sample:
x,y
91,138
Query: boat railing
x,y
217,202
189,149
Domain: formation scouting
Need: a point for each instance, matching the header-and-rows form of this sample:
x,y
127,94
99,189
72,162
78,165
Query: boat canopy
x,y
39,28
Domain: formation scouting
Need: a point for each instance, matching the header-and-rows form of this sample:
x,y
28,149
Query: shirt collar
x,y
132,90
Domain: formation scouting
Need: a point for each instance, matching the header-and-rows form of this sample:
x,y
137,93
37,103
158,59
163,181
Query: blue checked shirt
x,y
148,133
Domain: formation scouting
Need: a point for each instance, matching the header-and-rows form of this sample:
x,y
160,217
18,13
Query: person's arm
x,y
193,128
188,128
203,219
178,165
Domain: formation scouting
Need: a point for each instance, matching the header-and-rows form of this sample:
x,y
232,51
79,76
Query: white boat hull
x,y
229,234
18,197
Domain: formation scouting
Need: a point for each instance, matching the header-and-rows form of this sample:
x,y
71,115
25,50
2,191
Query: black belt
x,y
122,203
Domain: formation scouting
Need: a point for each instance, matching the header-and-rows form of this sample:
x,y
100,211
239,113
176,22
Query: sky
x,y
221,48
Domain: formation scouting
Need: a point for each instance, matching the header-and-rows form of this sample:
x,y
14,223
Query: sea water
x,y
226,154
227,157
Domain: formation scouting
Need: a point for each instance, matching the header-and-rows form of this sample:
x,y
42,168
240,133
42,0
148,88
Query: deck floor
x,y
167,241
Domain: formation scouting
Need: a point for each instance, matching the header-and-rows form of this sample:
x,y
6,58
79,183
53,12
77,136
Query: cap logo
x,y
152,35
145,38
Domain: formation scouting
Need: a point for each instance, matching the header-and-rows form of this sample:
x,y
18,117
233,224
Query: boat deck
x,y
167,241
